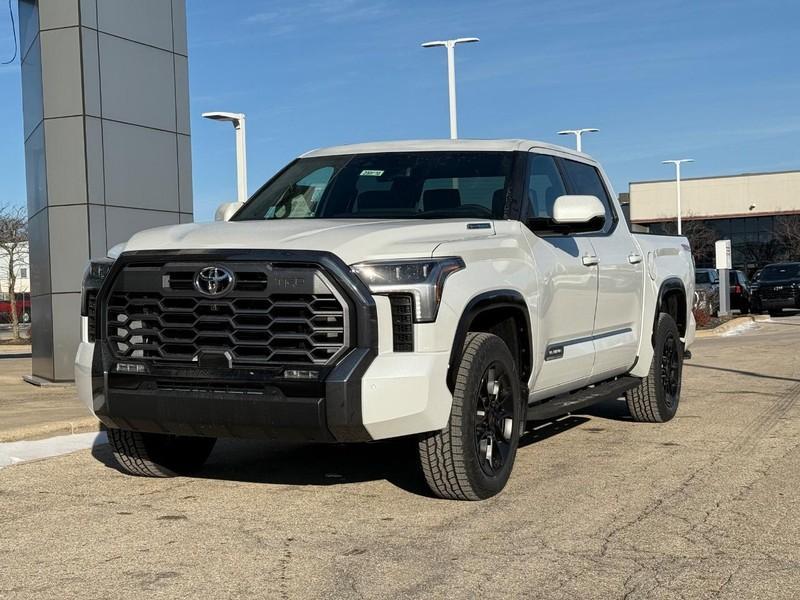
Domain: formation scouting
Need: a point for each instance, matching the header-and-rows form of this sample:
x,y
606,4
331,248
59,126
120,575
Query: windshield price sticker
x,y
371,173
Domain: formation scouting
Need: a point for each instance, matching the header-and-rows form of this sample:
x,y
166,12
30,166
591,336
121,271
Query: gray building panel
x,y
91,72
143,21
131,151
95,178
36,171
39,252
31,72
66,161
69,243
89,13
53,15
42,334
180,43
107,145
61,72
137,83
124,222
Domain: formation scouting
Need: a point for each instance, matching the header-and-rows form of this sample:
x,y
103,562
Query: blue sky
x,y
716,81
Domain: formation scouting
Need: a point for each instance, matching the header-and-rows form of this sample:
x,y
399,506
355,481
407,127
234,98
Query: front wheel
x,y
157,454
472,457
656,398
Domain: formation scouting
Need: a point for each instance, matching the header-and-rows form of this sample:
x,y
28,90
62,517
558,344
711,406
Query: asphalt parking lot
x,y
705,506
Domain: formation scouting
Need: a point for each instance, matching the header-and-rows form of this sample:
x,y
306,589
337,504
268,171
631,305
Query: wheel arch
x,y
672,300
502,312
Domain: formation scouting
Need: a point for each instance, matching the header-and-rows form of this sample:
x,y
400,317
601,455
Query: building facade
x,y
758,212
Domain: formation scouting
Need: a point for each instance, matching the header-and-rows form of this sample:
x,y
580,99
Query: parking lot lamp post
x,y
238,121
578,133
451,75
677,164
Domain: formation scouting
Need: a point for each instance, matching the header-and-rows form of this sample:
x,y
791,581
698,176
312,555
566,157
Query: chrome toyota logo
x,y
213,281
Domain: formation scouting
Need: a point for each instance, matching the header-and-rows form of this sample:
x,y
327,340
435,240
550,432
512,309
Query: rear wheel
x,y
472,457
159,455
656,398
775,313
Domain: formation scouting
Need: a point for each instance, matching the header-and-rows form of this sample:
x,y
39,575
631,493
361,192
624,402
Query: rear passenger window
x,y
585,180
544,186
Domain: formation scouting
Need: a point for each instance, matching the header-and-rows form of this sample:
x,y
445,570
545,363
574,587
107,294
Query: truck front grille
x,y
252,325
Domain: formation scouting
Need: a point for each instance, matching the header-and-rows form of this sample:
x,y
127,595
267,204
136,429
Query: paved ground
x,y
28,411
598,507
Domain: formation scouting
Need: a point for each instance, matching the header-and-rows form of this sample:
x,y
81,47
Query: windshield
x,y
780,272
419,185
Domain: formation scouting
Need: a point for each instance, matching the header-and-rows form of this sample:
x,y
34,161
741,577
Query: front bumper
x,y
369,393
397,394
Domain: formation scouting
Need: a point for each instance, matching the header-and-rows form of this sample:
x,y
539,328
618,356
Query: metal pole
x,y
678,184
241,160
451,85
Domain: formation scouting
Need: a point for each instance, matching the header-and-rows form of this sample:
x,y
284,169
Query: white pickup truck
x,y
448,290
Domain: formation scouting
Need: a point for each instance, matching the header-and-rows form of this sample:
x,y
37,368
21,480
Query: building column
x,y
107,146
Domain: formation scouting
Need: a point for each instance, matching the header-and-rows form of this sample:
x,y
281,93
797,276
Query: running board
x,y
574,401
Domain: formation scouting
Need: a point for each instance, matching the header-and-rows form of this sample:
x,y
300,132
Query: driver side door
x,y
568,277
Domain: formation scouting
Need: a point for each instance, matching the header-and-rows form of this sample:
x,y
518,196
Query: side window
x,y
544,186
585,180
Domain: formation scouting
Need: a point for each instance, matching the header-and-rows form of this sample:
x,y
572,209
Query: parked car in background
x,y
740,291
778,287
706,284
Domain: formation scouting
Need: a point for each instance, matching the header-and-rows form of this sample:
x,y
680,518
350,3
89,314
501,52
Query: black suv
x,y
778,287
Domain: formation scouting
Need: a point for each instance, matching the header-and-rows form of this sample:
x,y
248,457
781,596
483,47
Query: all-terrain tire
x,y
455,462
656,399
159,455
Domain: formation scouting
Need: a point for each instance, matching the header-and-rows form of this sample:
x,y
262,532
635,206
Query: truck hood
x,y
351,240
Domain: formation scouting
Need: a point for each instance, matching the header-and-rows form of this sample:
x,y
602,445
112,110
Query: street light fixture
x,y
451,75
677,164
238,121
578,133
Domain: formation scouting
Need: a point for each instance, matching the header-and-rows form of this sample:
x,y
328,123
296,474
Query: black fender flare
x,y
486,301
672,284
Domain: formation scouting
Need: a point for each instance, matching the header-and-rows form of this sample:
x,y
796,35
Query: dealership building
x,y
752,210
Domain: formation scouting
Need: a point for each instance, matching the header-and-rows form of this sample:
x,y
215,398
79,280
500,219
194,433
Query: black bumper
x,y
243,403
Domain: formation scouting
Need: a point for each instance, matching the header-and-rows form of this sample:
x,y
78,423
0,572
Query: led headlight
x,y
93,278
422,278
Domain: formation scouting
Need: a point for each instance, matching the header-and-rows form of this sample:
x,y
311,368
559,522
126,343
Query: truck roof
x,y
505,145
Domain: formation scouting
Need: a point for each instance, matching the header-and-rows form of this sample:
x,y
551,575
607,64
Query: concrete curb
x,y
45,430
732,324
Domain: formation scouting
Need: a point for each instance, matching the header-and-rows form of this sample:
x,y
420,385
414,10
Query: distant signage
x,y
723,248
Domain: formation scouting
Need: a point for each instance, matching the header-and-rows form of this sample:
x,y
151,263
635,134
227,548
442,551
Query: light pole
x,y
451,75
578,133
677,164
238,121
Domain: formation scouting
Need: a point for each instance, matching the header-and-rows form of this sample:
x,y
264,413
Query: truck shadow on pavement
x,y
256,461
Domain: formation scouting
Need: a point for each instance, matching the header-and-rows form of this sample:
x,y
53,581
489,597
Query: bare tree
x,y
787,233
701,238
13,247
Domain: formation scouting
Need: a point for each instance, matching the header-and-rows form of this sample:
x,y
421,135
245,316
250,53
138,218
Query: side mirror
x,y
226,210
579,213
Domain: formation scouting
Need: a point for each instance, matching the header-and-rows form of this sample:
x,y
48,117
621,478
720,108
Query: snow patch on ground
x,y
12,453
740,329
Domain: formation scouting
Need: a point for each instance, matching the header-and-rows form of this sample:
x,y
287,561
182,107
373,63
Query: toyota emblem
x,y
213,281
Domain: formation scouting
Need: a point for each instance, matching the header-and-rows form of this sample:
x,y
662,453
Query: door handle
x,y
634,258
590,260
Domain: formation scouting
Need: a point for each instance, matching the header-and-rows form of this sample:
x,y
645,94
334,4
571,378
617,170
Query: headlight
x,y
422,278
93,278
